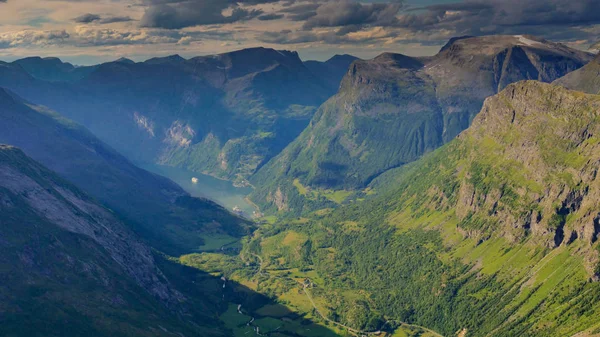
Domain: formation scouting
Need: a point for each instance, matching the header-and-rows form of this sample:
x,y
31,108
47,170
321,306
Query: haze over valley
x,y
299,168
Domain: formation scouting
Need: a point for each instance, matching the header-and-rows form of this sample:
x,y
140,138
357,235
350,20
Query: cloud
x,y
95,18
301,12
271,16
32,38
87,18
477,17
85,36
358,37
177,14
351,13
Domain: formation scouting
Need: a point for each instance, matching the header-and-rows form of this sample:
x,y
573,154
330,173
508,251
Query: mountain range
x,y
391,110
224,115
449,195
493,234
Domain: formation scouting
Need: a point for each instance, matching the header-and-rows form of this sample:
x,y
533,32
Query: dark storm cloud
x,y
271,16
95,18
504,16
301,12
176,14
113,19
87,18
351,13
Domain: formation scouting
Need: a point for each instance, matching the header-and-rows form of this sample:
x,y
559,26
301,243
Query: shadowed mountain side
x,y
224,115
162,212
72,268
331,71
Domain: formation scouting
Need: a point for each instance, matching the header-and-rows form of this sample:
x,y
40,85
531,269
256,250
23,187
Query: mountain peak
x,y
5,147
494,44
171,59
399,60
53,61
585,79
342,58
453,40
124,60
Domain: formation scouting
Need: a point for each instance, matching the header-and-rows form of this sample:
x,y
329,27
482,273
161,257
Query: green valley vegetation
x,y
391,110
494,234
73,268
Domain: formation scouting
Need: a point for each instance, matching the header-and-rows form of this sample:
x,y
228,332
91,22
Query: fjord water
x,y
220,191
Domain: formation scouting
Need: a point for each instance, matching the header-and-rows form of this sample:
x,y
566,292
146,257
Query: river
x,y
221,191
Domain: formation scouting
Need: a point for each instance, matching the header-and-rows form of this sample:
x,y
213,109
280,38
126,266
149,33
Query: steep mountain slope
x,y
52,69
71,268
586,79
163,213
494,234
331,71
391,110
223,114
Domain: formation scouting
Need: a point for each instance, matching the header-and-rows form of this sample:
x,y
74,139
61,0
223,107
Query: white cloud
x,y
32,38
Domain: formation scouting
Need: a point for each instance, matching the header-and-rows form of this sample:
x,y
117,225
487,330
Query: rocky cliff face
x,y
530,164
68,260
586,79
64,206
393,109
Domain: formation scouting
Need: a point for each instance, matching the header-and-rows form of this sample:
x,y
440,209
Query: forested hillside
x,y
391,110
494,234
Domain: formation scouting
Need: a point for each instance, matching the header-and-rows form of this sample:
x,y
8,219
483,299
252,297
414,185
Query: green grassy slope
x,y
495,233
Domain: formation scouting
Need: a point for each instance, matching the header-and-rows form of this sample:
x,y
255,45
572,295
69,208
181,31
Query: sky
x,y
92,31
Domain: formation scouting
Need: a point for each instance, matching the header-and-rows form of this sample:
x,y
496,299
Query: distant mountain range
x,y
391,110
154,204
225,115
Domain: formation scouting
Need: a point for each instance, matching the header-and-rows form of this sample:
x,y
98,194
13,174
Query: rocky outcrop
x,y
532,164
64,206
